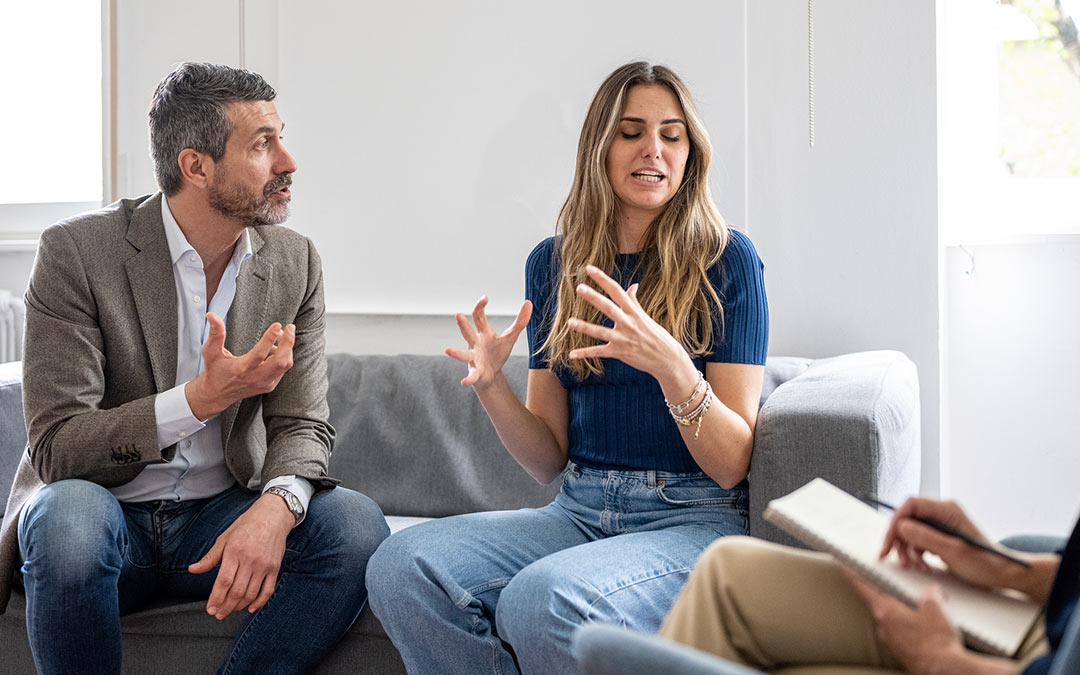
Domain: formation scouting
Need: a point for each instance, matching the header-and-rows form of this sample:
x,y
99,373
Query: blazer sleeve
x,y
299,436
70,433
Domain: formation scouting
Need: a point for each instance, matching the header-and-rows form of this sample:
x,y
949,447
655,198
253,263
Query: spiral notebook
x,y
828,519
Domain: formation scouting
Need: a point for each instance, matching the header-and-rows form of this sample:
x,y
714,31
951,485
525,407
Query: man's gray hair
x,y
188,111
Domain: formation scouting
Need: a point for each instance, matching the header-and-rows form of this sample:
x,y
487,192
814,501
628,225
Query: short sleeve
x,y
541,275
739,278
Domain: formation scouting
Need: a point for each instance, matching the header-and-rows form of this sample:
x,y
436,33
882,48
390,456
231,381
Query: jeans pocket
x,y
695,493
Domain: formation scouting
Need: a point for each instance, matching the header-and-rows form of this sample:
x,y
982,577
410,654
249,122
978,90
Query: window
x,y
1009,137
51,120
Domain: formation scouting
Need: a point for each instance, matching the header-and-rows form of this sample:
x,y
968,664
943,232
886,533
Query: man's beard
x,y
232,200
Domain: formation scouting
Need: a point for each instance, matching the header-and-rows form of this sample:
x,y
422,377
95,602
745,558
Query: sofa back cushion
x,y
417,442
12,426
408,434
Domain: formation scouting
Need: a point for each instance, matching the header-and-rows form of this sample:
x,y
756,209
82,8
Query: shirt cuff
x,y
296,485
175,422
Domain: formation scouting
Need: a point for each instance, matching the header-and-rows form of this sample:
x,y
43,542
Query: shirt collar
x,y
178,243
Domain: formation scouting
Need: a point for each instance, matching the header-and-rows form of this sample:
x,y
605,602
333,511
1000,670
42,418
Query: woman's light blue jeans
x,y
503,592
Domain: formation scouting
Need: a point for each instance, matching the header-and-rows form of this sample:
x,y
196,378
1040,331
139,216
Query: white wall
x,y
1012,368
15,269
848,228
435,140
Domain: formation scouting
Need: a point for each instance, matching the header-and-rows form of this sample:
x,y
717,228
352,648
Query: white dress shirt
x,y
198,469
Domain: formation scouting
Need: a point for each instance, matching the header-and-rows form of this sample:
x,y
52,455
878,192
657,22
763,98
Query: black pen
x,y
946,530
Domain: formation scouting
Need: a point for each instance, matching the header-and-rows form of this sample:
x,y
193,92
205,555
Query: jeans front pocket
x,y
696,492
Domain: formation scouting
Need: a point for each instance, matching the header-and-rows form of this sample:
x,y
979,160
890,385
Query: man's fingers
x,y
215,340
920,537
262,348
234,599
222,586
268,585
209,561
281,353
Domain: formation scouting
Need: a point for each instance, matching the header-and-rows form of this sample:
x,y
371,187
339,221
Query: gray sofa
x,y
420,445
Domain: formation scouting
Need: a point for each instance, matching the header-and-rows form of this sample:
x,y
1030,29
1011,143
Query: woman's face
x,y
647,157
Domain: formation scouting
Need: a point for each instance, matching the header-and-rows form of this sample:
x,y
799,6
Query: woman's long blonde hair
x,y
679,246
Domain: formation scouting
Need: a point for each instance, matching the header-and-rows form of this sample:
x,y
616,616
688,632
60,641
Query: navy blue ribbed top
x,y
618,420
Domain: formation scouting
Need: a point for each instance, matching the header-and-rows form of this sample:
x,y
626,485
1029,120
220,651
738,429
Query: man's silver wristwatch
x,y
291,500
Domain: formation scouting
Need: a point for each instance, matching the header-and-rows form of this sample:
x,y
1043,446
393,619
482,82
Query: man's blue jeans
x,y
503,592
88,559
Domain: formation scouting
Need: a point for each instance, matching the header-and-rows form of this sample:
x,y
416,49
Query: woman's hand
x,y
488,350
635,339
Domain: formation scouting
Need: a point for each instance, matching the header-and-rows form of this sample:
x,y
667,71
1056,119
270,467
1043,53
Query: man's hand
x,y
923,639
911,538
250,553
227,379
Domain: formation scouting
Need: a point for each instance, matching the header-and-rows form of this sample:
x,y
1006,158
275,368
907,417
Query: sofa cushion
x,y
417,442
12,426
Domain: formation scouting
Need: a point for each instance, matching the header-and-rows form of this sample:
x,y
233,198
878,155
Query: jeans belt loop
x,y
652,478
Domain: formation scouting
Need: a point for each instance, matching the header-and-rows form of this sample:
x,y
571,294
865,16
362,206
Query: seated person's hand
x,y
911,538
487,350
227,379
249,553
921,638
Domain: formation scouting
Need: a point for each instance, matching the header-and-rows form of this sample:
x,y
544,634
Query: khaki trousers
x,y
781,609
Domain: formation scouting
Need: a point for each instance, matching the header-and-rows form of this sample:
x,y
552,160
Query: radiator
x,y
12,314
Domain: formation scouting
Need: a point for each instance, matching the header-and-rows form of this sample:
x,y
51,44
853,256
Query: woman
x,y
647,486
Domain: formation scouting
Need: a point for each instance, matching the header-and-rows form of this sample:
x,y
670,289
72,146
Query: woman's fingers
x,y
520,322
601,302
466,329
479,318
591,329
610,286
463,355
599,351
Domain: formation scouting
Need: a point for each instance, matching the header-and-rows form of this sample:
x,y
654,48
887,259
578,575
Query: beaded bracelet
x,y
697,414
677,409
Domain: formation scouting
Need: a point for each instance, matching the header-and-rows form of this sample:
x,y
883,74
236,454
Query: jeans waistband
x,y
639,474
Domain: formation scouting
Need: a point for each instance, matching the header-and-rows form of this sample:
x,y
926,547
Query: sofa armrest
x,y
852,420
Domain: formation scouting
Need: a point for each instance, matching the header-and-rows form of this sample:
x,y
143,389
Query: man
x,y
776,608
175,398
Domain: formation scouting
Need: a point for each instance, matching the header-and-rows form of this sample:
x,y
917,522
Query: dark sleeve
x,y
540,289
1040,666
739,278
1062,617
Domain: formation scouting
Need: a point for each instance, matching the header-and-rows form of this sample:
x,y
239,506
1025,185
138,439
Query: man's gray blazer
x,y
101,342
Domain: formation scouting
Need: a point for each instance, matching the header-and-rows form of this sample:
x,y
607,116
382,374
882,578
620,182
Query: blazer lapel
x,y
153,285
248,315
